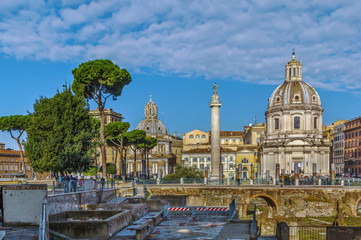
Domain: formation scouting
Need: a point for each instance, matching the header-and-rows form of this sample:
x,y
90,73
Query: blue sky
x,y
176,50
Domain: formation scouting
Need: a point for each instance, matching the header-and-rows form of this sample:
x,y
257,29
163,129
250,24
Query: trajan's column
x,y
215,135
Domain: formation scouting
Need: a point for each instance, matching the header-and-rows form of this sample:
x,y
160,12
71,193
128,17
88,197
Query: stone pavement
x,y
12,233
192,227
239,230
204,228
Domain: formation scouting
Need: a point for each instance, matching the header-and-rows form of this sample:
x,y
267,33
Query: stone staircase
x,y
140,191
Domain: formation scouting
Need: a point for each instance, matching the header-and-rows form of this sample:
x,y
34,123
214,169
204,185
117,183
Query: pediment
x,y
298,142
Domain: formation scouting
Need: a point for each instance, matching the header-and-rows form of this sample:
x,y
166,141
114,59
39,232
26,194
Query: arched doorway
x,y
269,202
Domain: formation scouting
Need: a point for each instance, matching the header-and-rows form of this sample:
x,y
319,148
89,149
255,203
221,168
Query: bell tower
x,y
151,110
293,70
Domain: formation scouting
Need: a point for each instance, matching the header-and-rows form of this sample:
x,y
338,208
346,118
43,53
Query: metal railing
x,y
307,232
79,186
257,181
43,222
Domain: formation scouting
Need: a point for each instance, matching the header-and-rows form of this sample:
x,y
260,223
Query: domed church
x,y
293,142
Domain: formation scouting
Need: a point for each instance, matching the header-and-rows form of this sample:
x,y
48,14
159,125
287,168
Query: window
x,y
16,167
230,159
315,122
208,159
296,123
191,136
186,159
1,167
231,166
201,166
289,74
294,72
197,136
244,160
201,159
277,124
203,136
222,159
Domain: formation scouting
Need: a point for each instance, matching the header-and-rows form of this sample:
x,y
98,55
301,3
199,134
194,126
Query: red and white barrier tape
x,y
212,209
176,209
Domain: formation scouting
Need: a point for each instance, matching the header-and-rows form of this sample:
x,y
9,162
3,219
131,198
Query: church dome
x,y
293,91
151,124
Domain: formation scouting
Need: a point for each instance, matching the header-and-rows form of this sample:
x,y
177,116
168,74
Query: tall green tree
x,y
146,146
114,133
60,134
134,139
98,80
15,124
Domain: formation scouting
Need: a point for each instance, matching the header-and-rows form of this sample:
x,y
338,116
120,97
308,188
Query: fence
x,y
307,232
257,181
82,185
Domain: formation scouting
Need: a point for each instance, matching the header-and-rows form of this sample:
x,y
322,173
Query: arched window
x,y
277,124
289,74
296,123
191,136
244,160
203,136
197,136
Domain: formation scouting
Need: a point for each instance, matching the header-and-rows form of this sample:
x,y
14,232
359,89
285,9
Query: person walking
x,y
102,182
66,183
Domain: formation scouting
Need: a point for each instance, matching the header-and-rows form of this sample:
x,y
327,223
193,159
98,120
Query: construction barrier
x,y
199,211
213,209
181,209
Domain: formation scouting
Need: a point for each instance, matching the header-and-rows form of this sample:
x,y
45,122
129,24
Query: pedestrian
x,y
102,182
75,183
238,182
66,183
81,182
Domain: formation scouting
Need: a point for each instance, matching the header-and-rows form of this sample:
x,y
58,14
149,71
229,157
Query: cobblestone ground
x,y
191,227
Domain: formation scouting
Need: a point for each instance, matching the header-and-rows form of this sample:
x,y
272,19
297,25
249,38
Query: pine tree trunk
x,y
22,164
102,137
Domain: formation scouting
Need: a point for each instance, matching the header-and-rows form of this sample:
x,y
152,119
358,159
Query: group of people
x,y
71,183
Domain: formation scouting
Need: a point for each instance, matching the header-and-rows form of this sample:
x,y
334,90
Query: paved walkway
x,y
235,231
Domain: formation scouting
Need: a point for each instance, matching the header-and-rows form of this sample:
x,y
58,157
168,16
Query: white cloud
x,y
247,41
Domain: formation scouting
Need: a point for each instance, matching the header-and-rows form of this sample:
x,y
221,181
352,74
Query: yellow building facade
x,y
239,159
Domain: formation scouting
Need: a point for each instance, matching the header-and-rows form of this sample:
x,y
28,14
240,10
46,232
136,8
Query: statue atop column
x,y
215,98
215,87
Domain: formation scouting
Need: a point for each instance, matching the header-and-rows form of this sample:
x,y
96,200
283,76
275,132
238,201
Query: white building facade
x,y
293,141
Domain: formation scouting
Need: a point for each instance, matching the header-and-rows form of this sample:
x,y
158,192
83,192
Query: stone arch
x,y
269,199
356,204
